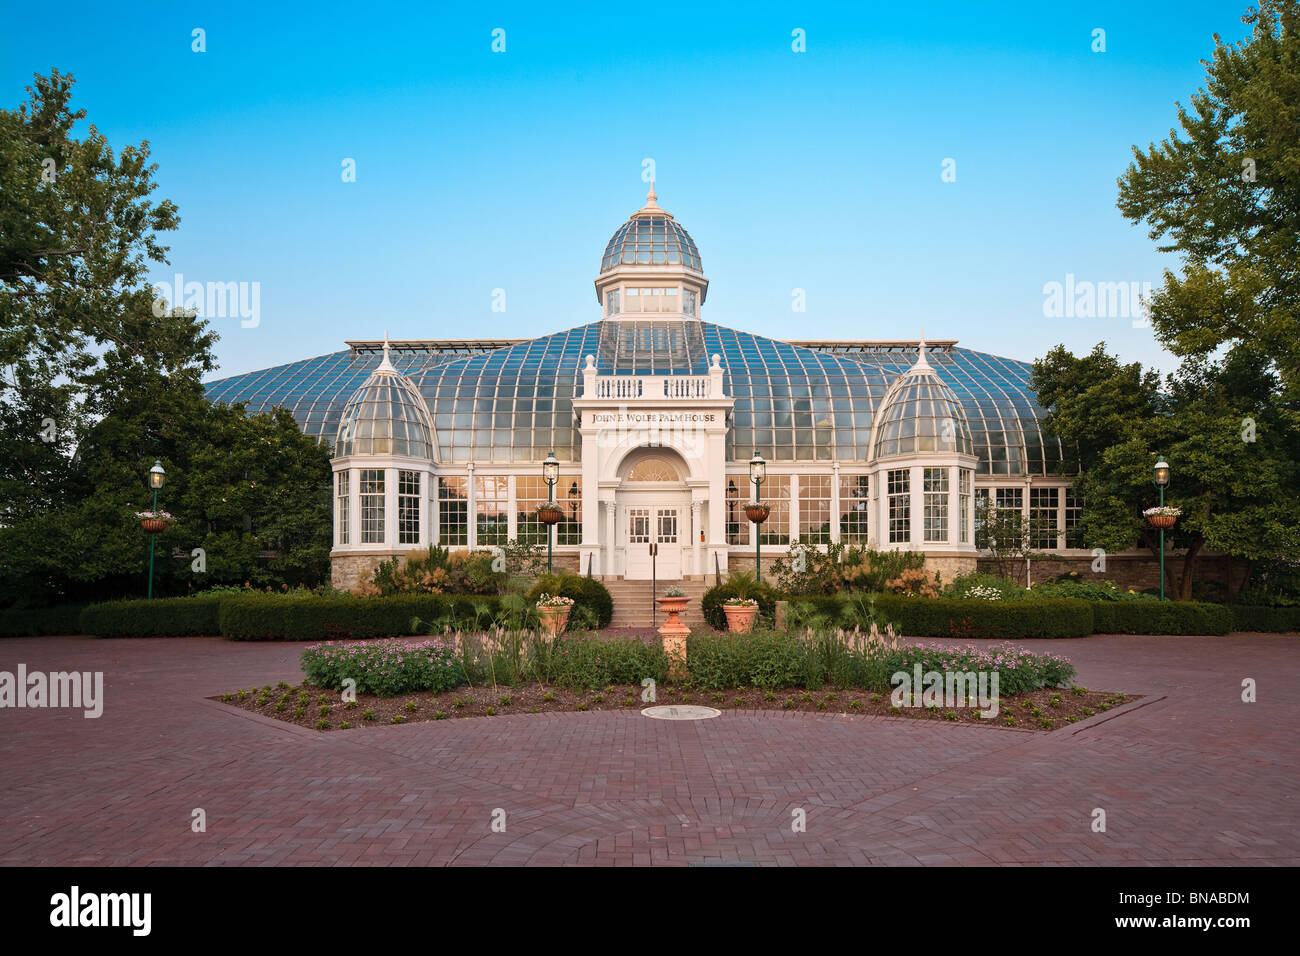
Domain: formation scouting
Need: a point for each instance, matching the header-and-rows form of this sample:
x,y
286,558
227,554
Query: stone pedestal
x,y
674,633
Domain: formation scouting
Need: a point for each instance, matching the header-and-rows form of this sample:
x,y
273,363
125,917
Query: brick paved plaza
x,y
1188,775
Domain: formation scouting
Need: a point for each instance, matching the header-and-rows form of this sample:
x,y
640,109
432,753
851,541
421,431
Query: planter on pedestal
x,y
674,633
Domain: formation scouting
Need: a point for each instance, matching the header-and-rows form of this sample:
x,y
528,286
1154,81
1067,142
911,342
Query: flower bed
x,y
385,668
1042,710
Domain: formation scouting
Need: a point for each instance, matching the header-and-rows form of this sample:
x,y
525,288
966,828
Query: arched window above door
x,y
653,469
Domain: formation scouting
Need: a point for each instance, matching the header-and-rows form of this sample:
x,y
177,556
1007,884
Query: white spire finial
x,y
650,197
386,365
921,361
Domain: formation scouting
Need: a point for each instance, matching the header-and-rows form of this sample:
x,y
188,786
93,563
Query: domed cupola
x,y
385,416
383,474
923,467
920,415
651,265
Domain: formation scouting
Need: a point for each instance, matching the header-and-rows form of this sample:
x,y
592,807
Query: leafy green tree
x,y
1092,398
95,384
77,233
1225,196
1222,426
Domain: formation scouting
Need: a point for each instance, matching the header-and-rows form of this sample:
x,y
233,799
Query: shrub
x,y
1076,587
738,585
977,584
385,668
438,572
1161,617
762,659
590,664
33,621
587,593
1272,619
161,617
947,617
810,570
1019,671
312,618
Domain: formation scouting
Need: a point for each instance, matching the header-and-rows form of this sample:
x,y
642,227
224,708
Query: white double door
x,y
653,533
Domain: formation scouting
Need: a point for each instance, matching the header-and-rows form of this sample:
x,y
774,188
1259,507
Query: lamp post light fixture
x,y
1161,481
550,474
157,478
757,474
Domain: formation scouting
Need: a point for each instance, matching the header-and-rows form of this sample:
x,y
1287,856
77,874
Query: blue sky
x,y
478,170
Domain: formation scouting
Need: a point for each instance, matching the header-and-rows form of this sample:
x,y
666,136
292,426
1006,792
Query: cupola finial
x,y
921,361
386,365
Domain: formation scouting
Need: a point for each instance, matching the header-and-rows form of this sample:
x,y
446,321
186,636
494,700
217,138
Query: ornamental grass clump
x,y
385,668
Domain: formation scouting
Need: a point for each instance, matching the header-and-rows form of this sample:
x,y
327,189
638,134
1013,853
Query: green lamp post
x,y
756,511
157,478
1162,481
550,474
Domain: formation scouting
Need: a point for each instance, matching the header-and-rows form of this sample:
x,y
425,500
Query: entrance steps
x,y
634,604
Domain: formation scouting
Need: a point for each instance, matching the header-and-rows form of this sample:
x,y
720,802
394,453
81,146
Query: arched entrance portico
x,y
655,524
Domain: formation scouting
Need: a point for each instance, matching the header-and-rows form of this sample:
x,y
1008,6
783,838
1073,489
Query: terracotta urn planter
x,y
672,606
1162,521
554,618
740,617
757,512
154,525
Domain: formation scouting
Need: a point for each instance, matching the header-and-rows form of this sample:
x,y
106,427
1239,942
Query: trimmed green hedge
x,y
316,618
1050,617
1278,620
161,617
1160,617
34,621
948,617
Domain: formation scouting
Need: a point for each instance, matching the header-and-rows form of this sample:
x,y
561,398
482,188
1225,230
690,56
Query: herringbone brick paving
x,y
1188,775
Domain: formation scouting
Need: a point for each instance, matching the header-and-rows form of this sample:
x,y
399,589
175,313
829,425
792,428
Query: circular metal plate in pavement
x,y
680,712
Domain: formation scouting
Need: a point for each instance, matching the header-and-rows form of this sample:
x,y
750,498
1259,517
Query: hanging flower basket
x,y
757,512
549,513
154,522
1162,516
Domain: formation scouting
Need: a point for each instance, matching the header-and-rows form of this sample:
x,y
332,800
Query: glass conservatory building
x,y
654,415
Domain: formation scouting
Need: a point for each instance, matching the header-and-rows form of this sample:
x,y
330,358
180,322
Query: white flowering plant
x,y
554,600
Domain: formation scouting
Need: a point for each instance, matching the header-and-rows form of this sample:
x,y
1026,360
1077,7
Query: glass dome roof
x,y
792,403
385,416
920,414
651,240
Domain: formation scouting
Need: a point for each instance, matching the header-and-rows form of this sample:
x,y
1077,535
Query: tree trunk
x,y
1189,560
1250,569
